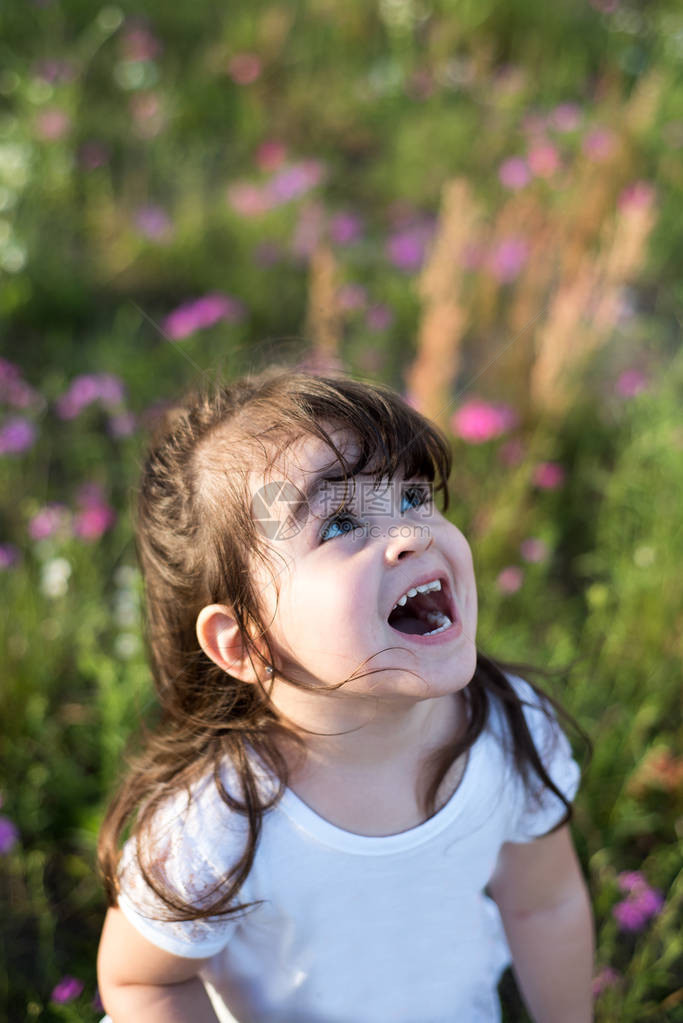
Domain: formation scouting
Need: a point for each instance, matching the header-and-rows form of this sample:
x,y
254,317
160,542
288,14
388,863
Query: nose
x,y
405,540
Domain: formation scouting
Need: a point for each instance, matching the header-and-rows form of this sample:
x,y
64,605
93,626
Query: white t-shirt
x,y
351,928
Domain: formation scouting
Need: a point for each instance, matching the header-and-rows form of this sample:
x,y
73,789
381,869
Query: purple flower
x,y
294,181
202,313
9,555
406,248
13,390
641,904
514,173
607,977
67,989
508,258
121,425
549,475
345,228
16,435
86,389
153,222
95,516
8,834
630,383
510,579
478,421
379,317
48,521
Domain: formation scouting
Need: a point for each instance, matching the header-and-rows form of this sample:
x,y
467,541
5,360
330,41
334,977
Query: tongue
x,y
411,626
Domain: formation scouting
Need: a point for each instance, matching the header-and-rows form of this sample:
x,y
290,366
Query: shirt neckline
x,y
326,833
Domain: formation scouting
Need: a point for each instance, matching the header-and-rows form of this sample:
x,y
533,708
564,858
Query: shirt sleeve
x,y
537,810
188,855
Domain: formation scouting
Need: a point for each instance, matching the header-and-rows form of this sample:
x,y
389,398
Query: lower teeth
x,y
445,625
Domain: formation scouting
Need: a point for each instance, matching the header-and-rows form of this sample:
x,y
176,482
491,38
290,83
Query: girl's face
x,y
342,574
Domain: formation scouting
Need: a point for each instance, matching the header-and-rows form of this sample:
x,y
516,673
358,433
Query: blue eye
x,y
415,496
344,524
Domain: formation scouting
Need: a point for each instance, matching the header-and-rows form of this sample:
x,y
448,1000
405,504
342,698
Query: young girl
x,y
346,813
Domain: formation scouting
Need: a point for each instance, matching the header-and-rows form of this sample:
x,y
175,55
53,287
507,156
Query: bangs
x,y
390,439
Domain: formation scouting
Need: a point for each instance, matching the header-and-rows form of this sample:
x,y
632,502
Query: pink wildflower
x,y
13,389
566,117
95,516
544,160
379,317
16,436
607,977
599,144
514,173
88,388
351,297
549,475
478,421
139,44
270,155
248,200
630,382
244,68
639,195
534,550
507,259
48,521
510,579
641,904
52,124
294,181
200,314
121,425
8,834
67,990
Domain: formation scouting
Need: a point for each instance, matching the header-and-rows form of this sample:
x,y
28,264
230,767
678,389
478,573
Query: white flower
x,y
55,577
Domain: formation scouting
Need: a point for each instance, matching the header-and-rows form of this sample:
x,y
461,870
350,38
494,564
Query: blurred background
x,y
475,202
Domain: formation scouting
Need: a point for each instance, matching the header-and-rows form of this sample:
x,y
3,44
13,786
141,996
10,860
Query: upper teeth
x,y
435,584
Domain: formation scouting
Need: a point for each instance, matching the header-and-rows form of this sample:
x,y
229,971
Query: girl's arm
x,y
546,912
140,983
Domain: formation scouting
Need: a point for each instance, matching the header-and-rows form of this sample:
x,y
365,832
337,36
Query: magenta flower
x,y
514,173
630,382
95,516
478,421
16,436
8,834
379,317
121,425
244,68
607,977
200,314
543,159
345,228
139,44
67,989
48,521
9,555
641,904
406,249
549,475
507,259
510,579
534,550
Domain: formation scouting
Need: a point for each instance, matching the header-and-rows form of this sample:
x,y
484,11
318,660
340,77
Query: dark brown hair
x,y
196,541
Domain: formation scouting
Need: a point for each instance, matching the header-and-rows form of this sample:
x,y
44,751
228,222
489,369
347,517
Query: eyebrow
x,y
310,493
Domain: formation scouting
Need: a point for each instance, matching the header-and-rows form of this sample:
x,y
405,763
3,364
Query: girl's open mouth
x,y
424,610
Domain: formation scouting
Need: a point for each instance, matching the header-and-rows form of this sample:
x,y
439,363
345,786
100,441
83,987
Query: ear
x,y
220,639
